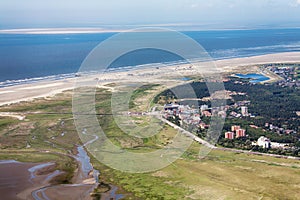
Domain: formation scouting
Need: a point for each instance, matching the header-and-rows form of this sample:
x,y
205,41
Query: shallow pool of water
x,y
255,78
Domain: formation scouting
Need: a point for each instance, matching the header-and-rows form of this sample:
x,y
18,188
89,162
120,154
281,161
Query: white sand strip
x,y
6,91
41,86
27,92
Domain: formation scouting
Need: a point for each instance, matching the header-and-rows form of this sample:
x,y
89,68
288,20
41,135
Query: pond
x,y
255,78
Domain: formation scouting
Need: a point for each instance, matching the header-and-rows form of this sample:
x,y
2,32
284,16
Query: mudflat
x,y
14,178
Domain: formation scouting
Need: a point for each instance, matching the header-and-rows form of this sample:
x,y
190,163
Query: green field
x,y
220,175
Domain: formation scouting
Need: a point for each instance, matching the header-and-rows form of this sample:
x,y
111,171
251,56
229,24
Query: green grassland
x,y
220,175
39,137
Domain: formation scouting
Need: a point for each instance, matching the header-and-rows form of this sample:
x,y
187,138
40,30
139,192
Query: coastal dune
x,y
45,88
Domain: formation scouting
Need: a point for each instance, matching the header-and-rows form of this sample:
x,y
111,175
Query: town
x,y
188,117
246,126
290,74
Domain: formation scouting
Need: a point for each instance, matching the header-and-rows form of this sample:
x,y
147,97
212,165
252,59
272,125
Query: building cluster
x,y
185,113
220,111
192,116
242,113
266,143
289,73
236,132
241,108
278,130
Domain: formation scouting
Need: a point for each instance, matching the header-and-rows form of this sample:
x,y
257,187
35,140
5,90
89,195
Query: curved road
x,y
207,144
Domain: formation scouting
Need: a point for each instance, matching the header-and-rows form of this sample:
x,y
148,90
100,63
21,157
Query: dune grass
x,y
220,175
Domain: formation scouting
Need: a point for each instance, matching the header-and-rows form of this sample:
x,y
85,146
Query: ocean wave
x,y
8,83
219,54
253,51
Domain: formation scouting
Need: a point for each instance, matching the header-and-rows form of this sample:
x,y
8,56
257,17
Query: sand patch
x,y
5,92
41,86
13,115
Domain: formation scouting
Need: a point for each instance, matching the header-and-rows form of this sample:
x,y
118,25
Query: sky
x,y
192,13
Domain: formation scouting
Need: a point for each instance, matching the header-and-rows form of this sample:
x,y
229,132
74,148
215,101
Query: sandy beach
x,y
27,92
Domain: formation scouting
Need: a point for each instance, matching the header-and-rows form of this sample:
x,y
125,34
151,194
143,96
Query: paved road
x,y
207,144
187,133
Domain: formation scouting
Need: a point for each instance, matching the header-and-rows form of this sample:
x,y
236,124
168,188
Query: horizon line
x,y
105,29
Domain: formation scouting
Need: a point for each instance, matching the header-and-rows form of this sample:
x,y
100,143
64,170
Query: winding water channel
x,y
86,179
85,168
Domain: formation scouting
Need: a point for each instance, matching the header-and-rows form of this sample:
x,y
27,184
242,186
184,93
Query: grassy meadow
x,y
48,133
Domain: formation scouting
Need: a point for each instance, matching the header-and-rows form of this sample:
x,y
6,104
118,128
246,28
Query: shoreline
x,y
46,88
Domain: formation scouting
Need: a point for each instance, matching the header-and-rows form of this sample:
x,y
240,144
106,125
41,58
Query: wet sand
x,y
74,192
14,178
31,181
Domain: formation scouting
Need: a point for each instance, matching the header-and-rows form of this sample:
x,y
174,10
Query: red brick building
x,y
229,135
240,133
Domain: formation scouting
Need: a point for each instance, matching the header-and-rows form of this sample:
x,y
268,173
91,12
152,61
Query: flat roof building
x,y
240,133
234,128
229,135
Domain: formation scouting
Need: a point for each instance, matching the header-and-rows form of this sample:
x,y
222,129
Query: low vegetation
x,y
50,135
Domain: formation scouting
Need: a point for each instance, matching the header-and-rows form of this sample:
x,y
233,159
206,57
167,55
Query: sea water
x,y
33,57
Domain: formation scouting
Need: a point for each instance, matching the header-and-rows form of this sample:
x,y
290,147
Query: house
x,y
253,126
203,108
172,106
206,113
234,114
289,132
234,128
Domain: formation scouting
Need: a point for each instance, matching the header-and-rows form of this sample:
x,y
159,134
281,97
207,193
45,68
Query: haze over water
x,y
32,55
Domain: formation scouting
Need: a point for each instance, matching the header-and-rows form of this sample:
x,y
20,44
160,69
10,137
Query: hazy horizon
x,y
213,14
